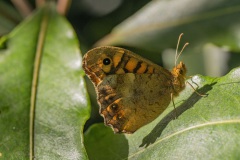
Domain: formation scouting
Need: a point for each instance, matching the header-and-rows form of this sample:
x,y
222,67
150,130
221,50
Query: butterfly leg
x,y
174,106
202,95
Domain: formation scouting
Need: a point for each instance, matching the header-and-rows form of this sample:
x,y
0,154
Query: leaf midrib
x,y
36,69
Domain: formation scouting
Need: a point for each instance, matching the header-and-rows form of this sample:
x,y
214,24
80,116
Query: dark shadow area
x,y
3,43
101,143
95,116
189,103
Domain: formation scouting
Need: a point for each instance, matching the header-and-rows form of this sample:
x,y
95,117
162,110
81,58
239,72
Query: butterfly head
x,y
179,75
99,62
180,70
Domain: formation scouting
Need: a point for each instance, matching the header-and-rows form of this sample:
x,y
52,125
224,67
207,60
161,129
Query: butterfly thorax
x,y
179,76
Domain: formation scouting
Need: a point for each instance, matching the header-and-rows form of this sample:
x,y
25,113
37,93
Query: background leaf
x,y
206,127
61,106
157,25
8,18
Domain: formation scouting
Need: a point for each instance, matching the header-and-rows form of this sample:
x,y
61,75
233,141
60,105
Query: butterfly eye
x,y
181,71
106,61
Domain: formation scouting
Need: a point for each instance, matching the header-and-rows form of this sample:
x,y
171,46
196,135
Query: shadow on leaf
x,y
189,103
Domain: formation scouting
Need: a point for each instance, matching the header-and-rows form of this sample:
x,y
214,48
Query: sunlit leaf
x,y
41,76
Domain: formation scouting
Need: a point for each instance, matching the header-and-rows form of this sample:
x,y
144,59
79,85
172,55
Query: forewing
x,y
122,61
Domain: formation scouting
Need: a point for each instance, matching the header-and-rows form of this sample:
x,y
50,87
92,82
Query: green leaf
x,y
158,24
43,101
156,27
206,127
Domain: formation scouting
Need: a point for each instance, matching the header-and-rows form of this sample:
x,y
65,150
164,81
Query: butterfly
x,y
131,90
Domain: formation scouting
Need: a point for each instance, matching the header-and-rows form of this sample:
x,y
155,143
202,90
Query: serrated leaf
x,y
43,101
206,127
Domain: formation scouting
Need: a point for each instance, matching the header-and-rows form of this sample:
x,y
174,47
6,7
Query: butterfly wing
x,y
132,91
129,101
121,61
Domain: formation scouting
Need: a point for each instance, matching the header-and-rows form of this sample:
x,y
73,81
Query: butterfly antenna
x,y
177,55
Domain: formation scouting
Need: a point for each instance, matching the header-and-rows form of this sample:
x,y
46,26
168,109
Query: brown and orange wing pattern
x,y
102,61
129,101
132,91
